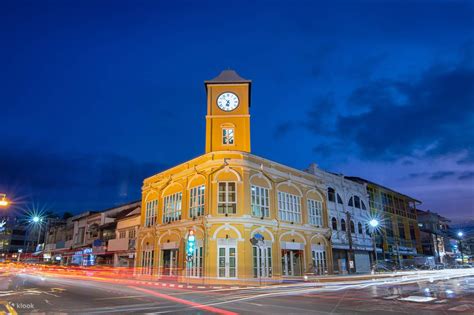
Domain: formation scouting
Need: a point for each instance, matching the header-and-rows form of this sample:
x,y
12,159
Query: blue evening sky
x,y
97,95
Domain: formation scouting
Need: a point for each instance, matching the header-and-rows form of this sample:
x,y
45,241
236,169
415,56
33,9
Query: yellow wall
x,y
244,170
239,118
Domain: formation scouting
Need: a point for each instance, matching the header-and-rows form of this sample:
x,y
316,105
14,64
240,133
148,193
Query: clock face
x,y
227,101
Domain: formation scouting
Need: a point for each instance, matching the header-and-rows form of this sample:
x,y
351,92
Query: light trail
x,y
205,307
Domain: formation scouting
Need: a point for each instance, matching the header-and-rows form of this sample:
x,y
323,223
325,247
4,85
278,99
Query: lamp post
x,y
374,223
460,235
38,220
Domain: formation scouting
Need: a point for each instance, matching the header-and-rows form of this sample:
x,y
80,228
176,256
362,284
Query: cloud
x,y
390,119
468,175
441,175
73,180
283,129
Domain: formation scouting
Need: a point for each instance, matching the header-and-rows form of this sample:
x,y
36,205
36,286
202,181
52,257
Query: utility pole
x,y
350,255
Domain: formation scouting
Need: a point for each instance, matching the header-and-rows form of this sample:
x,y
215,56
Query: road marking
x,y
186,302
417,299
460,308
120,297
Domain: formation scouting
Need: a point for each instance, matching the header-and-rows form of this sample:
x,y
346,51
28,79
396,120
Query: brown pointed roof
x,y
228,76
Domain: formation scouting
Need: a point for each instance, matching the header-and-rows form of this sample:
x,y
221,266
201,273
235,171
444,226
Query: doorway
x,y
291,262
227,262
170,262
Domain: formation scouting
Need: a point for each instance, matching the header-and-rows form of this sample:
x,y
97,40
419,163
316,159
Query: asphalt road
x,y
436,293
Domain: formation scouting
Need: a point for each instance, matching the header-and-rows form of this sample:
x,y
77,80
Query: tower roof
x,y
228,76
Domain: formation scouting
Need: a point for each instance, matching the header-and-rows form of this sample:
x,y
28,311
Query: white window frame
x,y
262,263
319,259
226,203
315,212
197,201
122,234
148,257
172,207
151,212
132,233
227,261
289,207
228,136
260,201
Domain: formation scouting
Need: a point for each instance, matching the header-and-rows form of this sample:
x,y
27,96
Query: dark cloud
x,y
431,116
407,162
283,128
417,175
468,175
441,175
73,180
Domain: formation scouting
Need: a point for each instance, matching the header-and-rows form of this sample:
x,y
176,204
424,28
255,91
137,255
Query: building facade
x,y
348,215
227,198
83,239
124,244
434,236
398,237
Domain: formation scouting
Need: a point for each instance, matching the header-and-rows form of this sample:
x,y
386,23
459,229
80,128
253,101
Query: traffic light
x,y
191,243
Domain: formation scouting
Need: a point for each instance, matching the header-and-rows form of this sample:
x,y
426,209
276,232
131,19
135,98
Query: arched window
x,y
363,205
352,227
339,199
331,194
351,202
359,227
357,202
334,224
343,225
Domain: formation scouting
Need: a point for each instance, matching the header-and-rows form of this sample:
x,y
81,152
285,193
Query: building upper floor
x,y
234,185
388,201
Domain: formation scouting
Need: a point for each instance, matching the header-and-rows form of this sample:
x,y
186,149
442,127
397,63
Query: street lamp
x,y
4,201
37,220
374,223
460,235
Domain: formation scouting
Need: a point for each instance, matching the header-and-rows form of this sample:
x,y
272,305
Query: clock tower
x,y
228,116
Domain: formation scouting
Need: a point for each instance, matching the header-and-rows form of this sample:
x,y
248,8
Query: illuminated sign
x,y
191,243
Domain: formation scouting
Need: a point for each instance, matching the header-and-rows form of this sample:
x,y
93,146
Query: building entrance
x,y
291,262
170,262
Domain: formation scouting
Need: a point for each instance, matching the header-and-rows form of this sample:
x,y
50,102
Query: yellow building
x,y
228,197
399,240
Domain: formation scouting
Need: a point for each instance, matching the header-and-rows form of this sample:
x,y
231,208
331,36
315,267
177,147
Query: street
x,y
423,292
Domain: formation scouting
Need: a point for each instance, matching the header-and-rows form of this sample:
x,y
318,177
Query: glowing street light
x,y
37,220
374,223
4,201
460,234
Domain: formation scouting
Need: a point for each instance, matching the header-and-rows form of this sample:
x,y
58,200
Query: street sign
x,y
257,239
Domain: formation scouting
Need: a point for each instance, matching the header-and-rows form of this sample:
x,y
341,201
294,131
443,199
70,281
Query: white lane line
x,y
120,297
